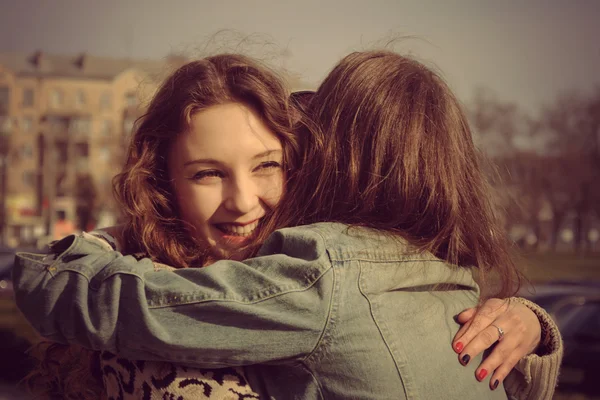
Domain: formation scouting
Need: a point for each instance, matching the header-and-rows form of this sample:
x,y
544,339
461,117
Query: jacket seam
x,y
310,372
387,260
329,319
310,281
239,301
55,272
379,328
326,324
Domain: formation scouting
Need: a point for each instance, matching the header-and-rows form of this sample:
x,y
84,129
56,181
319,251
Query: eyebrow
x,y
216,162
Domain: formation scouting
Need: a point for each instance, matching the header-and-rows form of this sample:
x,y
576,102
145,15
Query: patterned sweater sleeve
x,y
536,376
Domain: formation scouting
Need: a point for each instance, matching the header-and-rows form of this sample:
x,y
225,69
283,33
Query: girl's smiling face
x,y
226,171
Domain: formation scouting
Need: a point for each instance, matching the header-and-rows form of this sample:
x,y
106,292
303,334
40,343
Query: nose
x,y
242,196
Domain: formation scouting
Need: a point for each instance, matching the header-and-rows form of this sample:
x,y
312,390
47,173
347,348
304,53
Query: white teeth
x,y
238,230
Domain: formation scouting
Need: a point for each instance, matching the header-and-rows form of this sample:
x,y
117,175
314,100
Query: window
x,y
6,124
130,100
27,124
4,99
128,126
579,320
28,97
27,150
58,125
80,99
57,98
81,126
105,101
105,154
61,183
82,165
29,178
82,152
106,127
61,151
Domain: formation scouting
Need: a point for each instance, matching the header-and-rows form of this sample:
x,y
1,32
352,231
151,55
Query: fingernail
x,y
456,318
495,385
458,347
465,359
482,374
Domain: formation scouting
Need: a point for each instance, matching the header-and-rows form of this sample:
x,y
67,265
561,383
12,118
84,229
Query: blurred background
x,y
75,75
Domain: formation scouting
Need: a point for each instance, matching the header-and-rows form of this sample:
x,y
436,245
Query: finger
x,y
499,354
471,329
502,372
457,344
485,315
466,315
482,341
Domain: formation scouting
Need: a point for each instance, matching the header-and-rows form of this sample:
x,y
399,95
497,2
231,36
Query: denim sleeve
x,y
269,309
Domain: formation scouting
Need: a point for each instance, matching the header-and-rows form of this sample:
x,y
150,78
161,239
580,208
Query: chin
x,y
220,253
235,254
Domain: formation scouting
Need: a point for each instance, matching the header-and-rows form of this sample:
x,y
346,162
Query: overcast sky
x,y
526,51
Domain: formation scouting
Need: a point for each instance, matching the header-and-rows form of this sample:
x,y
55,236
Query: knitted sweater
x,y
536,376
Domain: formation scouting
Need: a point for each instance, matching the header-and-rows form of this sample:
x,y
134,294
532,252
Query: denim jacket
x,y
323,312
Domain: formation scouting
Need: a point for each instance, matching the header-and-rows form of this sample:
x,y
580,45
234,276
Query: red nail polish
x,y
458,347
482,374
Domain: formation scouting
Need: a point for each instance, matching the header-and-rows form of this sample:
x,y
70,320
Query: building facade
x,y
63,118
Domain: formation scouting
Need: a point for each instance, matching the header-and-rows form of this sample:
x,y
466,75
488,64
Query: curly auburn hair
x,y
143,191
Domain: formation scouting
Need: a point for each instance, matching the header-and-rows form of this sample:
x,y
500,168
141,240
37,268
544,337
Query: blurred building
x,y
61,118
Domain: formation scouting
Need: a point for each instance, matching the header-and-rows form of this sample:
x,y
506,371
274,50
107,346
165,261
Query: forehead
x,y
225,132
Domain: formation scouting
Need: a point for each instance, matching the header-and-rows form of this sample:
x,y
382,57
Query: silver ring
x,y
500,332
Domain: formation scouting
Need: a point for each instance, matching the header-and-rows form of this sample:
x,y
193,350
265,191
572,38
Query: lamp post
x,y
5,134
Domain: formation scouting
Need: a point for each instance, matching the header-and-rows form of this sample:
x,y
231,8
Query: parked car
x,y
16,334
578,319
575,306
7,259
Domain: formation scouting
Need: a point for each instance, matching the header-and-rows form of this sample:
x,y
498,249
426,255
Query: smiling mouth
x,y
237,230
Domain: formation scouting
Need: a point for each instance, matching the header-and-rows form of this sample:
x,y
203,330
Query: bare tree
x,y
551,161
572,126
505,133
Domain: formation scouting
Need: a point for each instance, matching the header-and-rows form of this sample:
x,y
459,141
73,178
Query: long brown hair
x,y
143,191
389,147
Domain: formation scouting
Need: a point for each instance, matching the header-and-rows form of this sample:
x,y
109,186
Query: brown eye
x,y
269,165
210,173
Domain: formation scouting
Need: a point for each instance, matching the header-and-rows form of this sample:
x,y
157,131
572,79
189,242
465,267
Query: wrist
x,y
550,336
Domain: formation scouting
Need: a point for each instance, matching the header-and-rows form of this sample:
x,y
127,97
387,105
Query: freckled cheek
x,y
198,204
272,189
